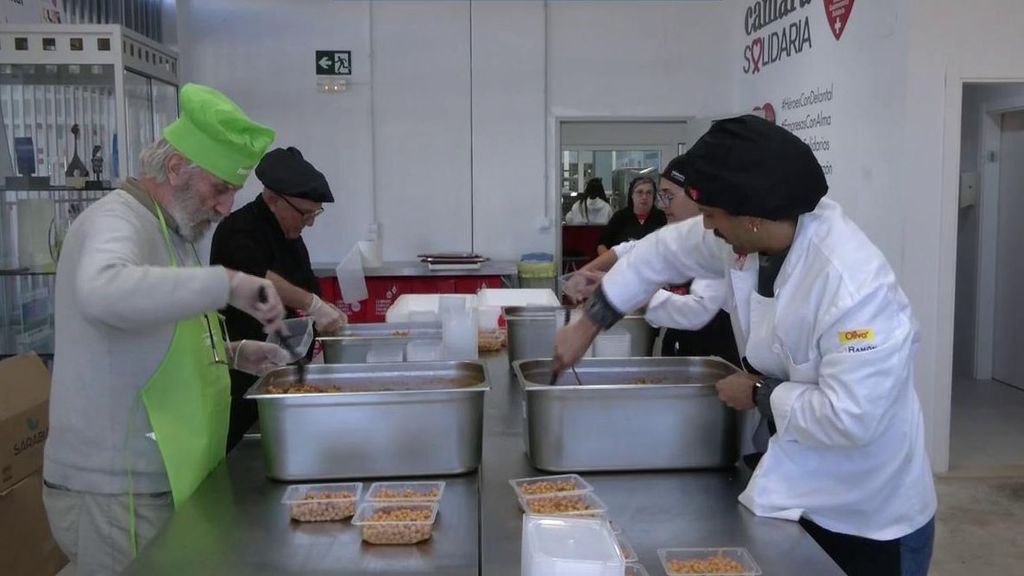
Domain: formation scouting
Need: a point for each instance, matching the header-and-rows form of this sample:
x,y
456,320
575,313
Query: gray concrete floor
x,y
981,499
987,425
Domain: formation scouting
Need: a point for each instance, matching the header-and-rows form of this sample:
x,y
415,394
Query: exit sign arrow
x,y
333,63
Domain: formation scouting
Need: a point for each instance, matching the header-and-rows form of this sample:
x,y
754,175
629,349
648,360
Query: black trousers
x,y
856,555
714,339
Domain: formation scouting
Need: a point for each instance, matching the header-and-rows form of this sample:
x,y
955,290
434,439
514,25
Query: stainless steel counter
x,y
235,523
416,268
654,509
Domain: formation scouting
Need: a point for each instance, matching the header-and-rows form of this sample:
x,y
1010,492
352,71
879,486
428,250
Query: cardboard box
x,y
24,417
26,545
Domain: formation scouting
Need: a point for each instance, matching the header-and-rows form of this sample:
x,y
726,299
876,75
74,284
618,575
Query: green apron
x,y
188,400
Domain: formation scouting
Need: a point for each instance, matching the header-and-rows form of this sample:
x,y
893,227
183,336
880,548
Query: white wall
x,y
637,59
508,105
863,70
949,42
450,133
667,134
888,73
262,56
421,114
975,98
895,135
448,146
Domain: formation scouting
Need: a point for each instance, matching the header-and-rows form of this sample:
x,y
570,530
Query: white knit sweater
x,y
117,302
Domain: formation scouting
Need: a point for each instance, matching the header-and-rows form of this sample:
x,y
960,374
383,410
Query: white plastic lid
x,y
570,546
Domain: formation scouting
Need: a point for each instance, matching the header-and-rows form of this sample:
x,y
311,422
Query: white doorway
x,y
612,151
1009,279
987,411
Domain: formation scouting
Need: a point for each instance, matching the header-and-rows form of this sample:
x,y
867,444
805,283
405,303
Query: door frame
x,y
553,206
990,141
939,404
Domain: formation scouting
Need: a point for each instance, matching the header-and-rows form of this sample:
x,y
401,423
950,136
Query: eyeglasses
x,y
306,216
665,198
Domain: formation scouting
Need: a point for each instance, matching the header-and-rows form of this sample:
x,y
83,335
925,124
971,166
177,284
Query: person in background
x,y
827,334
695,322
264,238
638,219
140,393
592,208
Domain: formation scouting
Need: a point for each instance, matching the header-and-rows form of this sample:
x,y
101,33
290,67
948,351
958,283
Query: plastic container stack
x,y
569,547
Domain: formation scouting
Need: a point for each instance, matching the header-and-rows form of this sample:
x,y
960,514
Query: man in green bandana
x,y
140,394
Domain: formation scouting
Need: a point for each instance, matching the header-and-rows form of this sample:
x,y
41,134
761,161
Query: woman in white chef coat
x,y
826,331
695,322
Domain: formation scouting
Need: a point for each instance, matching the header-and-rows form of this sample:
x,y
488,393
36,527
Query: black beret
x,y
748,166
285,171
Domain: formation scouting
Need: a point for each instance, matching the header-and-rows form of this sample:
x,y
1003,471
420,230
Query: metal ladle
x,y
300,362
554,375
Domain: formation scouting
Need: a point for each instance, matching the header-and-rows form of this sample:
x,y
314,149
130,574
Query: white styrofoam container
x,y
420,305
517,297
423,351
569,547
612,346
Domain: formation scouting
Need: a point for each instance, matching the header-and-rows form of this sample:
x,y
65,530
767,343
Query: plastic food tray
x,y
405,492
578,504
528,487
322,502
738,555
389,531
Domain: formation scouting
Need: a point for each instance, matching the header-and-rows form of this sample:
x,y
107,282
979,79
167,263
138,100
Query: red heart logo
x,y
756,52
837,12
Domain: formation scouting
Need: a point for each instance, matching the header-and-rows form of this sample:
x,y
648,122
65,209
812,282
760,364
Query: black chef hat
x,y
285,171
748,166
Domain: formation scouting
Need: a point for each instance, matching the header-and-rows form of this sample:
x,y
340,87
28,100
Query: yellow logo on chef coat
x,y
858,335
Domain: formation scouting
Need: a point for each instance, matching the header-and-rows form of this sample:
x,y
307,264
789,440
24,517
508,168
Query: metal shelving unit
x,y
121,89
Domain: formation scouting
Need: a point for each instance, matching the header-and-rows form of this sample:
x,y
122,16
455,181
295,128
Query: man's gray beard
x,y
192,219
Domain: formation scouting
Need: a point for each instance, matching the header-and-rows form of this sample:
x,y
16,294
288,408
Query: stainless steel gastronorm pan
x,y
378,420
531,331
355,341
628,414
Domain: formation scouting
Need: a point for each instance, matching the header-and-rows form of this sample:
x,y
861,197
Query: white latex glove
x,y
327,318
245,295
257,358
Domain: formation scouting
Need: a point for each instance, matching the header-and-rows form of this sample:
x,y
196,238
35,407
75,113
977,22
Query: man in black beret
x,y
264,238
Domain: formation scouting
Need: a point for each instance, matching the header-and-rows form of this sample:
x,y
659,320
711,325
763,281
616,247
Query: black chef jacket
x,y
250,240
625,226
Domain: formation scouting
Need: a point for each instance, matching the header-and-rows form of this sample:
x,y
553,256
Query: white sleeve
x,y
865,362
624,248
115,286
575,215
687,312
673,254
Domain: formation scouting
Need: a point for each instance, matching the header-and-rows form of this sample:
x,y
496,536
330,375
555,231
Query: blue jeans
x,y
916,550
